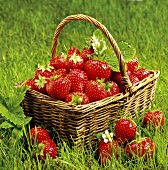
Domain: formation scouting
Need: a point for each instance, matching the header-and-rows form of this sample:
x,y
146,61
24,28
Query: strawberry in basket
x,y
78,80
59,87
59,61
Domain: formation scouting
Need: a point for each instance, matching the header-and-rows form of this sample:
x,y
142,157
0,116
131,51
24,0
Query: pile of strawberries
x,y
78,78
127,139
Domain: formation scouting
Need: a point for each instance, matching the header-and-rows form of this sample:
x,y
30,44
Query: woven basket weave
x,y
80,124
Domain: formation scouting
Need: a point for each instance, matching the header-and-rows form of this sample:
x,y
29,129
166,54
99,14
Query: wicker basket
x,y
80,124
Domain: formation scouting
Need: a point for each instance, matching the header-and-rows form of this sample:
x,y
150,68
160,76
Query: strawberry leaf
x,y
6,125
127,51
98,34
10,107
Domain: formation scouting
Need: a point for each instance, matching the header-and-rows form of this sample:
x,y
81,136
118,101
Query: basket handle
x,y
125,79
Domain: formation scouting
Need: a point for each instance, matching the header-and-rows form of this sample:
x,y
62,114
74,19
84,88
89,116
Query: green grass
x,y
26,31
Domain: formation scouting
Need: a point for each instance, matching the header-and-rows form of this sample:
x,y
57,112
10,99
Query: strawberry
x,y
116,77
45,71
141,73
155,118
125,130
59,61
78,80
37,84
39,134
134,79
97,69
143,147
61,71
107,147
87,53
112,88
132,64
95,90
46,147
75,61
77,98
59,87
73,50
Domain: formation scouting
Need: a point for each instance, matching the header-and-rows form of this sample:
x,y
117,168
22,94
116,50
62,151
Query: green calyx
x,y
76,100
40,81
108,86
75,58
45,67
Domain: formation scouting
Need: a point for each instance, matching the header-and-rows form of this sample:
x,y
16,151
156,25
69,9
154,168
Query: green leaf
x,y
17,132
10,107
6,125
98,34
10,116
127,51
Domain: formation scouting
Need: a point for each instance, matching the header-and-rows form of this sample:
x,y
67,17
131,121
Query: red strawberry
x,y
73,50
78,80
95,90
155,118
141,73
46,147
59,61
132,64
59,87
87,53
75,61
125,130
45,71
97,69
39,134
133,79
37,84
143,147
77,98
61,71
107,147
112,88
116,77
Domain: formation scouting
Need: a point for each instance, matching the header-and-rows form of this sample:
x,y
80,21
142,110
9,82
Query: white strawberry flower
x,y
96,45
108,137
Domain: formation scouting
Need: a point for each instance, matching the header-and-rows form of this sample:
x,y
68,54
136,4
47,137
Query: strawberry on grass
x,y
143,147
44,148
39,134
155,118
125,130
107,147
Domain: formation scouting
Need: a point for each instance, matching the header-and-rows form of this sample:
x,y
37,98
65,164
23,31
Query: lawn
x,y
27,29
